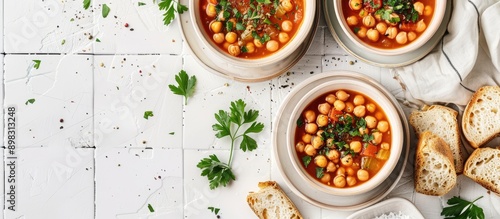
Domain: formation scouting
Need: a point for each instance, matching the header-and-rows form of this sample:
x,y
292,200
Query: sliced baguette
x,y
483,166
442,121
481,118
434,170
270,202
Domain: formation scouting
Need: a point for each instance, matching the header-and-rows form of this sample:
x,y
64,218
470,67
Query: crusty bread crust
x,y
434,170
441,121
270,202
483,167
481,117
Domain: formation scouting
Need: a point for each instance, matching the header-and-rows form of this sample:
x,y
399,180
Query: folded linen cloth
x,y
466,58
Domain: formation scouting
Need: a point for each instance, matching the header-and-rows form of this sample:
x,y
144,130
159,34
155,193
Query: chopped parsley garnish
x,y
141,3
86,4
148,114
306,160
319,172
105,10
214,210
31,101
37,64
151,209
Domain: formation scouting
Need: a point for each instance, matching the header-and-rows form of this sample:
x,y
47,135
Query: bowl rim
x,y
292,45
433,26
396,133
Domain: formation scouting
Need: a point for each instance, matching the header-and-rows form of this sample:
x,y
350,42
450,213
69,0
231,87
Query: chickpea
x,y
419,7
307,138
300,146
358,100
349,107
317,142
421,26
385,146
330,98
333,155
342,95
216,26
393,17
272,45
355,4
231,37
352,21
371,107
363,131
331,167
329,142
320,161
428,10
371,122
383,126
339,181
391,32
372,35
234,50
381,27
363,13
309,150
347,160
326,178
412,36
322,120
362,32
351,181
355,146
359,111
369,21
257,43
311,128
350,171
319,132
287,5
377,138
363,175
218,38
211,12
324,108
339,105
283,37
250,47
310,116
341,171
287,25
402,37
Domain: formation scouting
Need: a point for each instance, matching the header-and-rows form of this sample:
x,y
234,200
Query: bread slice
x,y
434,170
270,202
481,118
442,121
483,166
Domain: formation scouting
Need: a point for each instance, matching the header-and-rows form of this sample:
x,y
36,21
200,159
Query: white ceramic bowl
x,y
439,12
396,129
294,43
393,205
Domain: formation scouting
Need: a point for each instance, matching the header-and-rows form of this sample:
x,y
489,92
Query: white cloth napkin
x,y
467,57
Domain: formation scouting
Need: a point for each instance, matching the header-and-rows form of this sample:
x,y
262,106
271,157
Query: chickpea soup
x,y
251,28
343,138
388,24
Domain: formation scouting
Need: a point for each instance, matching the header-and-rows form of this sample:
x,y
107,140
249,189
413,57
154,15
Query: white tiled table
x,y
84,149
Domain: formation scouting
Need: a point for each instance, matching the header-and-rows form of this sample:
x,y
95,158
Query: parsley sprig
x,y
171,7
462,209
185,86
229,125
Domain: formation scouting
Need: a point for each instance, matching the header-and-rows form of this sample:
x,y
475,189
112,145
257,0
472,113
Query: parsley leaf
x,y
217,172
151,209
460,208
30,101
229,124
148,114
86,4
170,7
319,172
37,64
214,210
105,10
141,3
306,160
185,86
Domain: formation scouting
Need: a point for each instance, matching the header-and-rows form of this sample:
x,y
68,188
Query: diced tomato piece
x,y
372,5
369,150
334,115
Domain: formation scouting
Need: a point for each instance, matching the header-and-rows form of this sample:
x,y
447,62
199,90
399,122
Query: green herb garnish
x,y
185,86
105,10
462,209
141,3
171,7
229,124
214,210
319,172
148,114
306,160
31,101
86,4
151,209
37,64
